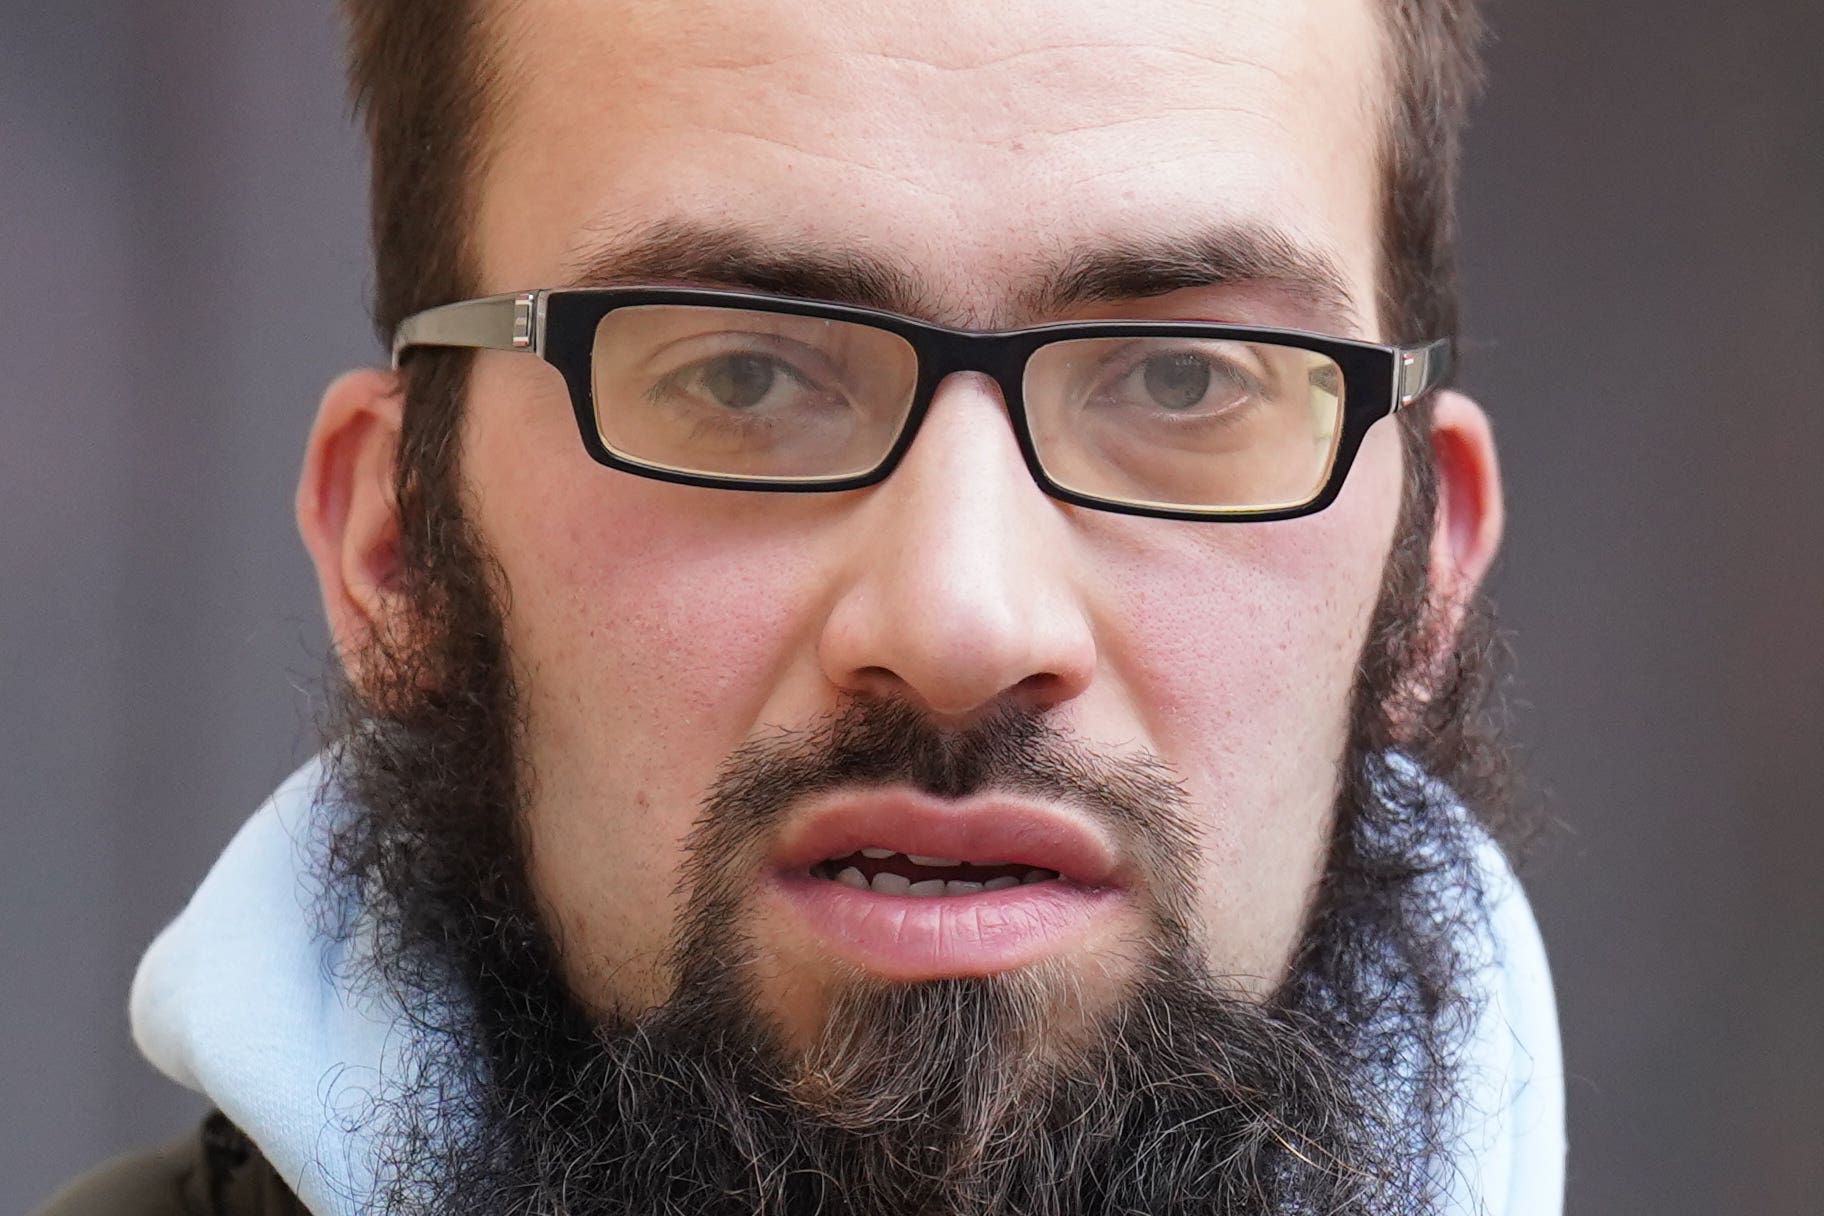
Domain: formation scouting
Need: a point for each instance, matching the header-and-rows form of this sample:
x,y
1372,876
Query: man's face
x,y
656,629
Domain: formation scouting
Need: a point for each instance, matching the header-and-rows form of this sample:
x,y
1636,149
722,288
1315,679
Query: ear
x,y
1467,531
346,510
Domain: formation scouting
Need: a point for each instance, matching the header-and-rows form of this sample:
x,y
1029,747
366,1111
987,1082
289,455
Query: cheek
x,y
648,625
1238,649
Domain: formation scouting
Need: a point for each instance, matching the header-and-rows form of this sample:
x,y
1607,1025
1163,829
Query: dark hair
x,y
1434,49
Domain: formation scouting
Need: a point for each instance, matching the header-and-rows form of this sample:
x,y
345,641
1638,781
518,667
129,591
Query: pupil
x,y
1177,382
739,381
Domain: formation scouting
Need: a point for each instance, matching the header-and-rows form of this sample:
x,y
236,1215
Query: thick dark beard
x,y
1335,1094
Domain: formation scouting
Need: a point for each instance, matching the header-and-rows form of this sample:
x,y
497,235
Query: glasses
x,y
1170,419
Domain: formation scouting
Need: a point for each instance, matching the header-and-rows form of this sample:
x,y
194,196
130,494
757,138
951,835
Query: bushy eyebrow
x,y
1220,255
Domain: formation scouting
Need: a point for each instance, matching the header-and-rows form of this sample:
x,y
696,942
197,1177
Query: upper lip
x,y
986,829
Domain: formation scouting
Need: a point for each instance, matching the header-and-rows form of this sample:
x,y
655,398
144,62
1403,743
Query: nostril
x,y
1040,691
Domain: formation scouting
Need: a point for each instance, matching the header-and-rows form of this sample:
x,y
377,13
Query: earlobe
x,y
1466,534
346,509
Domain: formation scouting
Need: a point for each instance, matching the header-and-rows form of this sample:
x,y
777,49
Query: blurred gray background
x,y
182,250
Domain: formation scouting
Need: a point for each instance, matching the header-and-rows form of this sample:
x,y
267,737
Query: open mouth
x,y
910,887
920,877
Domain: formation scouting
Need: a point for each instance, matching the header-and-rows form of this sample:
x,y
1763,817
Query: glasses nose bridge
x,y
999,355
944,352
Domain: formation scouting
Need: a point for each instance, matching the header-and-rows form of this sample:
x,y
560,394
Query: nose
x,y
960,590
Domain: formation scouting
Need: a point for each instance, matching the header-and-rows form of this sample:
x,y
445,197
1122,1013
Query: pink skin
x,y
656,628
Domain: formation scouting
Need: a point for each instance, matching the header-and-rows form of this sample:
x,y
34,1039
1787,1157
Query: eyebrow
x,y
1223,255
677,252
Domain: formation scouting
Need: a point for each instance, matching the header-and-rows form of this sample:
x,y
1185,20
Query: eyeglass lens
x,y
1185,422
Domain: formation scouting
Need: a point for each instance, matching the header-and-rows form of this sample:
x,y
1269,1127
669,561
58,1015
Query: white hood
x,y
244,1000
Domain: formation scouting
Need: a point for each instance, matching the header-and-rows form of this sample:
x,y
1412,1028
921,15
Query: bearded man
x,y
909,639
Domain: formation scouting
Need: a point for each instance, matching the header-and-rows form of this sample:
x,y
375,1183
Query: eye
x,y
1176,382
1183,383
740,382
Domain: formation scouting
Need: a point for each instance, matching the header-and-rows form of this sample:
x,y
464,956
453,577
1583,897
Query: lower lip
x,y
906,937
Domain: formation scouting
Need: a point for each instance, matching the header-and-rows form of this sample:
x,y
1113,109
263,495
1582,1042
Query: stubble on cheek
x,y
613,954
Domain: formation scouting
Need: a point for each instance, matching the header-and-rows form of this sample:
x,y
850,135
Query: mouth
x,y
917,876
907,887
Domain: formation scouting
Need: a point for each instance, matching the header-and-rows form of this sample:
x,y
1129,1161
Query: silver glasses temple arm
x,y
1421,369
508,322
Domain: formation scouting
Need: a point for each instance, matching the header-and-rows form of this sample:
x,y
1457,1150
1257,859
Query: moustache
x,y
873,743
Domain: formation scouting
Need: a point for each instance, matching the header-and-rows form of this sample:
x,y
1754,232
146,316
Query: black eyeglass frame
x,y
559,326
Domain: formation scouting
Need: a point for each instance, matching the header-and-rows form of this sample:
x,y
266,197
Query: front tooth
x,y
916,860
930,886
1001,883
877,854
889,883
960,886
851,877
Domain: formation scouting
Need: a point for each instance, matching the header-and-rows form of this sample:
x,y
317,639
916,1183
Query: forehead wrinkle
x,y
1066,90
1099,48
1066,76
817,59
898,178
722,45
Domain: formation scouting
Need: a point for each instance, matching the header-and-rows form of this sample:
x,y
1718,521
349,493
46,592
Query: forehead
x,y
972,144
